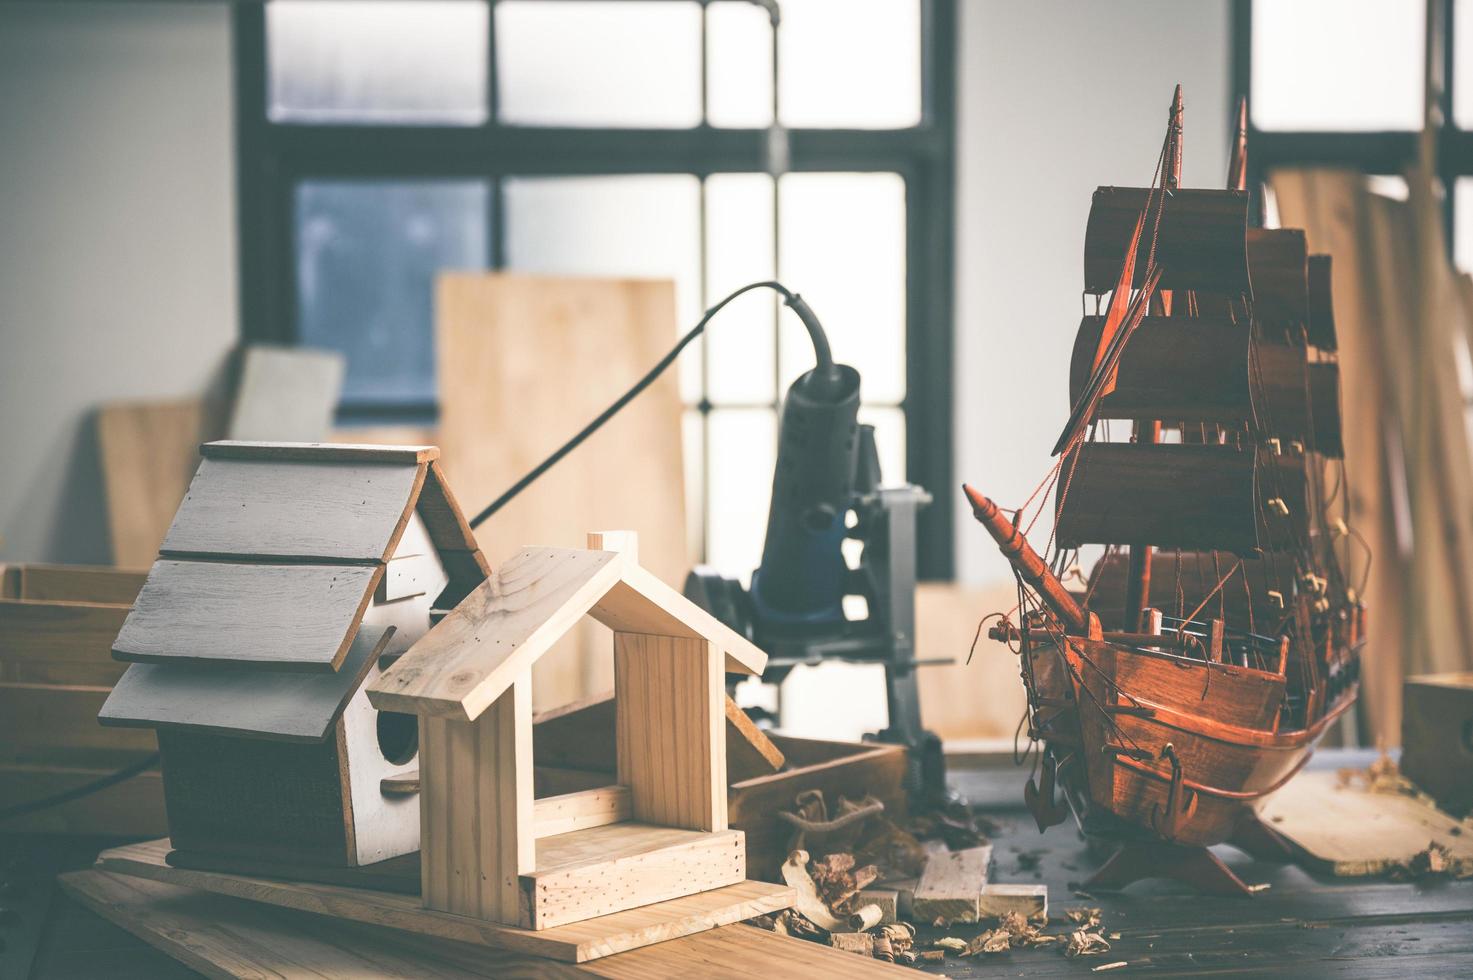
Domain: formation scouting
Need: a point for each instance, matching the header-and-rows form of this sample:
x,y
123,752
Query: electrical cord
x,y
87,789
823,370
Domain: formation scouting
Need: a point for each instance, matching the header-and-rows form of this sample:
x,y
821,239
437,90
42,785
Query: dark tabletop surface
x,y
1304,925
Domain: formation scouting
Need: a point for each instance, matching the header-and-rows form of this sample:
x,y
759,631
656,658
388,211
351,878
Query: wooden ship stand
x,y
1218,637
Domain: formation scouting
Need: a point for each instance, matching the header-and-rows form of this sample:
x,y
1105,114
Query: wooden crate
x,y
1437,738
846,769
57,626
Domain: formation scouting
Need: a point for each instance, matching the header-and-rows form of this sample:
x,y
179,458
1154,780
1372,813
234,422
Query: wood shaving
x,y
1109,966
1084,943
991,941
950,944
806,898
1085,918
1435,861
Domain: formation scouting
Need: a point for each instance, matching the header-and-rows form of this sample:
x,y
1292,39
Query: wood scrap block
x,y
885,899
853,942
1437,738
950,889
285,394
999,898
1349,831
749,751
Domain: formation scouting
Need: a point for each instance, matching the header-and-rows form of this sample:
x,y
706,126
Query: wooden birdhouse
x,y
489,850
292,574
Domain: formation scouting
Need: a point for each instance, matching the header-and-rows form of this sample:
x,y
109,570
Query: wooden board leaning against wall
x,y
1400,308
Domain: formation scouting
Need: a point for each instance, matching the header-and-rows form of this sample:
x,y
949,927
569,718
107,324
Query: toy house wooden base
x,y
488,850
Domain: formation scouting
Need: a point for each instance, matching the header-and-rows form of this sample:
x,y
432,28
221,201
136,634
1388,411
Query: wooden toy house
x,y
292,574
660,832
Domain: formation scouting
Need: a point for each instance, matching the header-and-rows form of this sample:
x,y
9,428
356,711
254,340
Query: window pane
x,y
643,226
889,426
842,245
1463,224
599,63
743,448
390,62
1337,64
738,65
367,255
740,358
855,64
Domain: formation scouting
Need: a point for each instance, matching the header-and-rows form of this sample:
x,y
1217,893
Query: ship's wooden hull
x,y
1180,748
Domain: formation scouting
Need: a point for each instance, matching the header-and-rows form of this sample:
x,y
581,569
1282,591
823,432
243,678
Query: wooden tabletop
x,y
1303,925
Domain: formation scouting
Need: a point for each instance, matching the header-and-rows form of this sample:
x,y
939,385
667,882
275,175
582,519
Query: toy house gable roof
x,y
277,548
502,628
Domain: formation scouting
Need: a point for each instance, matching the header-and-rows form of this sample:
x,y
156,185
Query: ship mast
x,y
1237,178
1148,431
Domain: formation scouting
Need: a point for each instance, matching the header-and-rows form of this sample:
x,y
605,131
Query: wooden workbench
x,y
1303,925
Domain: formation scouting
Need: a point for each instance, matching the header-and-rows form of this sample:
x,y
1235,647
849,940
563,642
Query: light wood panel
x,y
77,583
477,835
59,642
749,751
334,510
288,616
225,937
497,633
57,724
148,451
670,729
523,363
589,873
577,942
642,603
982,699
554,815
277,704
285,393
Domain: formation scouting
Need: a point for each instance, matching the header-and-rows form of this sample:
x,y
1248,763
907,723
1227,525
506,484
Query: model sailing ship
x,y
1218,637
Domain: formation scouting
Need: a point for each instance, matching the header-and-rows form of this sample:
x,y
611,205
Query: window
x,y
1342,82
383,142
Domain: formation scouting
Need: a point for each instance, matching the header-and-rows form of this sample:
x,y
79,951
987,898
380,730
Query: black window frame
x,y
1369,151
273,157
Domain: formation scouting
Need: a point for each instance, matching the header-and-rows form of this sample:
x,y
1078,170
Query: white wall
x,y
1056,97
117,242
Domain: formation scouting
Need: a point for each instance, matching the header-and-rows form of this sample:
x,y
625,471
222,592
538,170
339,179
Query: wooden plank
x,y
319,452
148,451
577,942
832,768
228,937
749,752
321,510
274,704
51,723
501,343
78,583
565,813
670,729
476,829
1350,831
131,808
595,872
287,394
999,898
951,886
287,616
497,633
59,642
